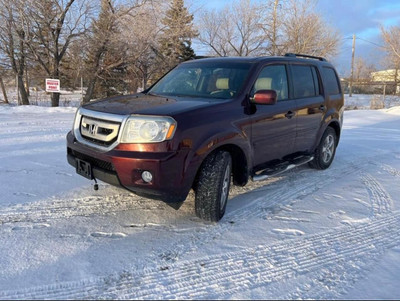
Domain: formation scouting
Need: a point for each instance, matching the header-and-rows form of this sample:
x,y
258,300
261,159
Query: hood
x,y
145,104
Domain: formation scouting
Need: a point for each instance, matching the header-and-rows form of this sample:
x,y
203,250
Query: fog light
x,y
147,176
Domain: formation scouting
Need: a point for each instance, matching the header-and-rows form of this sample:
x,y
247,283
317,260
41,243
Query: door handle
x,y
290,114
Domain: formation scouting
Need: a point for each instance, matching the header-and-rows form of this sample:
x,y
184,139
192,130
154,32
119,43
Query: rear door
x,y
310,105
273,126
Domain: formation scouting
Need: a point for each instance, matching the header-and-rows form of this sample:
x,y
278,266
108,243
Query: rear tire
x,y
326,150
212,187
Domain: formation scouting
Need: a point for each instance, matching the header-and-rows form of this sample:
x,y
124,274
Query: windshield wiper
x,y
152,94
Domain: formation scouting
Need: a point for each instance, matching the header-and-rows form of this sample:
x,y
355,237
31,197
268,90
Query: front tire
x,y
212,187
326,150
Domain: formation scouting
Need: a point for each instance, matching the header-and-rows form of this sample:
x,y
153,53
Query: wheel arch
x,y
240,170
336,126
333,123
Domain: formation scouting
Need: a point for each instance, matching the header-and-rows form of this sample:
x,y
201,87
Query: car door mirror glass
x,y
264,97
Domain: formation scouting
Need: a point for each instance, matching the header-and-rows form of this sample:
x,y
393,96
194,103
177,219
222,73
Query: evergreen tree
x,y
175,41
98,45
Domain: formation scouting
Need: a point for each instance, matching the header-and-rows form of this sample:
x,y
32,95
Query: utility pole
x,y
274,27
353,49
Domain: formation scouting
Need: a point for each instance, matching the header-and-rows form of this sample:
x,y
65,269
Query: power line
x,y
373,43
365,40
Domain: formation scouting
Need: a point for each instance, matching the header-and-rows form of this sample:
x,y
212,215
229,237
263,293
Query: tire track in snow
x,y
227,274
55,209
381,201
277,194
127,283
321,284
66,208
393,171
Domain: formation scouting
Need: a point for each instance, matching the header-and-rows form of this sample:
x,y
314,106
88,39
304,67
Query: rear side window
x,y
305,81
332,83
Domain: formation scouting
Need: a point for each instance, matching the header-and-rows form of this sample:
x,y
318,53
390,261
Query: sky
x,y
362,18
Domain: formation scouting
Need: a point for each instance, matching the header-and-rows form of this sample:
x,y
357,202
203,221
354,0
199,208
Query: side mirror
x,y
264,97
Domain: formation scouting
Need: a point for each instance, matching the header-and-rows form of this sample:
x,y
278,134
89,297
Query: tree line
x,y
122,46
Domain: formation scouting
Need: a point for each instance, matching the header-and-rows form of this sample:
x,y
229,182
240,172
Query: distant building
x,y
390,76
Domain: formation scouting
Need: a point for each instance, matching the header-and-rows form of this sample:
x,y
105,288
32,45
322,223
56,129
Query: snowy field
x,y
332,234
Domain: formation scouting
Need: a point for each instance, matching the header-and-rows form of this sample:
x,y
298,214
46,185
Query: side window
x,y
332,83
273,77
305,81
316,80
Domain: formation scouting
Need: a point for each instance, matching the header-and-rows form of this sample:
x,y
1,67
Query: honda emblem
x,y
93,129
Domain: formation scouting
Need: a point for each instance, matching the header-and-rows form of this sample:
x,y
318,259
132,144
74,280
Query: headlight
x,y
147,129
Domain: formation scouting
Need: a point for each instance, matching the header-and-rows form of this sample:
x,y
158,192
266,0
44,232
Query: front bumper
x,y
122,166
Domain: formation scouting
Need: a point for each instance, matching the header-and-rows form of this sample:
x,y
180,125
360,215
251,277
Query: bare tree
x,y
142,32
391,38
306,32
53,25
3,88
237,30
274,10
275,27
12,41
72,67
210,27
362,70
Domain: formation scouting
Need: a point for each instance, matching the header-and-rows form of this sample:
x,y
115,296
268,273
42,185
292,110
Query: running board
x,y
268,173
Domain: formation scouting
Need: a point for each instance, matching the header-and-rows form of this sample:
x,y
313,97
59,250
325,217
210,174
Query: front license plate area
x,y
84,169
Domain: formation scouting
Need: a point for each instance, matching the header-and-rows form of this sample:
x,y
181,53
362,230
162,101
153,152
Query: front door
x,y
273,126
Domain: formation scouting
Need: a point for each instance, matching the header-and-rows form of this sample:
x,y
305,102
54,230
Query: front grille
x,y
99,131
98,142
108,166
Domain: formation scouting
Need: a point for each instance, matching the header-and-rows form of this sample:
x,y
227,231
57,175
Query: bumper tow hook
x,y
95,186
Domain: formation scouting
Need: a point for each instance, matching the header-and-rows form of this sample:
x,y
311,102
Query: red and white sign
x,y
52,85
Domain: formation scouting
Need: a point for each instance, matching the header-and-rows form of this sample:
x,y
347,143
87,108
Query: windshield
x,y
205,80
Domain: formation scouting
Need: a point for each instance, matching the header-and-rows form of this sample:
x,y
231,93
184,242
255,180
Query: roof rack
x,y
197,57
306,56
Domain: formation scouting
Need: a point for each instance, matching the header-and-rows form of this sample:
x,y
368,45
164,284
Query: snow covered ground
x,y
332,234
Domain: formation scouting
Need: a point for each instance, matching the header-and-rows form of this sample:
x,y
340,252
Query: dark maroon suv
x,y
209,122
